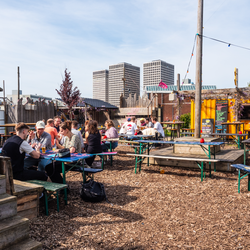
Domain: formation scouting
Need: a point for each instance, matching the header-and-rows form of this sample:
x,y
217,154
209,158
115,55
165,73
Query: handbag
x,y
93,191
65,152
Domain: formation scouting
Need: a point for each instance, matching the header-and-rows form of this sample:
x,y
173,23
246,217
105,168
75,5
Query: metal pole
x,y
178,100
198,75
18,83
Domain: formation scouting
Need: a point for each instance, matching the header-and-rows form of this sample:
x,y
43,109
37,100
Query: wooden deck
x,y
226,156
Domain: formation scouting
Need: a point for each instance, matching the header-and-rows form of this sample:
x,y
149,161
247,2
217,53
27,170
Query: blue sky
x,y
45,37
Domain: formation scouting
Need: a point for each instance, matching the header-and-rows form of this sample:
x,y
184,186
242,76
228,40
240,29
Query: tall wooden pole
x,y
178,100
198,75
18,84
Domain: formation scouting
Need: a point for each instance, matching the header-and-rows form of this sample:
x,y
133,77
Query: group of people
x,y
130,127
24,148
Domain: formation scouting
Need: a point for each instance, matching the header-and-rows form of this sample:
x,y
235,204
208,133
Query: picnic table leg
x,y
248,182
238,180
209,156
57,201
244,153
214,162
140,158
64,182
136,158
111,157
238,142
46,202
148,154
202,171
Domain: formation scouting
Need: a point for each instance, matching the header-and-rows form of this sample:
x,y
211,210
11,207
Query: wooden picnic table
x,y
146,145
173,124
236,124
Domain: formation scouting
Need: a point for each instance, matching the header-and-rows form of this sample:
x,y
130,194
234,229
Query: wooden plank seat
x,y
111,154
50,189
246,173
27,193
197,160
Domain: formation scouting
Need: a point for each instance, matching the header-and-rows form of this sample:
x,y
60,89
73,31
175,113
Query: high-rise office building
x,y
117,72
157,70
100,85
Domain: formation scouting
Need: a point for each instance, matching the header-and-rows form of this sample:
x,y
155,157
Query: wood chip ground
x,y
174,210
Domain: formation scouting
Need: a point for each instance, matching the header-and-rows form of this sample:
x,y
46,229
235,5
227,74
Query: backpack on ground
x,y
93,191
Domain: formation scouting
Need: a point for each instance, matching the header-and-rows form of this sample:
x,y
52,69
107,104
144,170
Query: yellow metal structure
x,y
208,112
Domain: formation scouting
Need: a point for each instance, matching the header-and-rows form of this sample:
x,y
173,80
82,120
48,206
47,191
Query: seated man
x,y
49,128
158,127
39,137
15,148
149,124
131,127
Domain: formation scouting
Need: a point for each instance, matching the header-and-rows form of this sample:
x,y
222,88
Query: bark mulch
x,y
174,210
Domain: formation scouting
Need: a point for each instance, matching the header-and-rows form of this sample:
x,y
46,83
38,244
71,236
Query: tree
x,y
248,84
69,95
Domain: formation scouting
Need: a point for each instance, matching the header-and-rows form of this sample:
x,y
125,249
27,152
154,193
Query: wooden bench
x,y
27,194
201,160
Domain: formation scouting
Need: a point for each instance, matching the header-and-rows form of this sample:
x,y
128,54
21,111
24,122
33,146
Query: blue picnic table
x,y
146,145
246,173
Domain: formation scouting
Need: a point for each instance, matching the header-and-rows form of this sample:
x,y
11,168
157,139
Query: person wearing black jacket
x,y
16,147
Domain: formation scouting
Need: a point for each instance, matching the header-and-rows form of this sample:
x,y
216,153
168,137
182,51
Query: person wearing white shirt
x,y
131,127
158,127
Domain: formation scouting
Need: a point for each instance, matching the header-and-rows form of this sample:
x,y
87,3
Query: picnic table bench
x,y
197,160
246,173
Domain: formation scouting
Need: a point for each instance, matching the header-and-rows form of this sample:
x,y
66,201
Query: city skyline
x,y
44,38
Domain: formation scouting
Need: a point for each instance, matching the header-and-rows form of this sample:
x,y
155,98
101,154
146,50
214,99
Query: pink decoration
x,y
163,85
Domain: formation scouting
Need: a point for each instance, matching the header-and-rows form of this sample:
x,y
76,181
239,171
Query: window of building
x,y
245,112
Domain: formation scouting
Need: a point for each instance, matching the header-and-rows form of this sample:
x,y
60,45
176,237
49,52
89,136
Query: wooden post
x,y
198,75
178,100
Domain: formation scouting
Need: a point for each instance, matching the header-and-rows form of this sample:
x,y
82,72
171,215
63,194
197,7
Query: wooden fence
x,y
30,112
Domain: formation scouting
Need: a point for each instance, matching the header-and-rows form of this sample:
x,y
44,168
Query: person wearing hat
x,y
131,127
143,123
42,138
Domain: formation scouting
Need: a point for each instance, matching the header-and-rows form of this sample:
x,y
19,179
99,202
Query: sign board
x,y
221,110
207,127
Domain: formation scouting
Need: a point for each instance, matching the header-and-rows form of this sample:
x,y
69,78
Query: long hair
x,y
66,125
93,127
110,123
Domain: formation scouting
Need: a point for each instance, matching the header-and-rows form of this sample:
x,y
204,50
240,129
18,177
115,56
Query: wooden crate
x,y
27,198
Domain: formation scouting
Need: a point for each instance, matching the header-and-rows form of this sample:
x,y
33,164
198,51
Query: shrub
x,y
186,118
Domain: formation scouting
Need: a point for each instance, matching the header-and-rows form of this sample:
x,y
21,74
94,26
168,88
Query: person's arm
x,y
86,137
101,137
25,147
58,145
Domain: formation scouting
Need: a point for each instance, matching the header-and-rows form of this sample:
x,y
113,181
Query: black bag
x,y
93,191
65,152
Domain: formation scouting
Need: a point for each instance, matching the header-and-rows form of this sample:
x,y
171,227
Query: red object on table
x,y
201,131
104,137
202,140
135,133
240,132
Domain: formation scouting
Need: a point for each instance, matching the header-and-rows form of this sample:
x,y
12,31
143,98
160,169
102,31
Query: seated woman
x,y
93,139
72,142
86,129
111,133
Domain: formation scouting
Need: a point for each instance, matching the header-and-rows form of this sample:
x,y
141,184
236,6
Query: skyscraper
x,y
100,85
117,72
157,70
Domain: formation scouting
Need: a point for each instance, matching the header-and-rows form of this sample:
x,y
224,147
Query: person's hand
x,y
34,145
57,143
38,146
31,135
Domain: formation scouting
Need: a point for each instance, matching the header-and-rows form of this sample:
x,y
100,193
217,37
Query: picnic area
x,y
150,210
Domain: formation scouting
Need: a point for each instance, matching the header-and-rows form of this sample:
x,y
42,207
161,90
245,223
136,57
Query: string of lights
x,y
229,44
192,54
